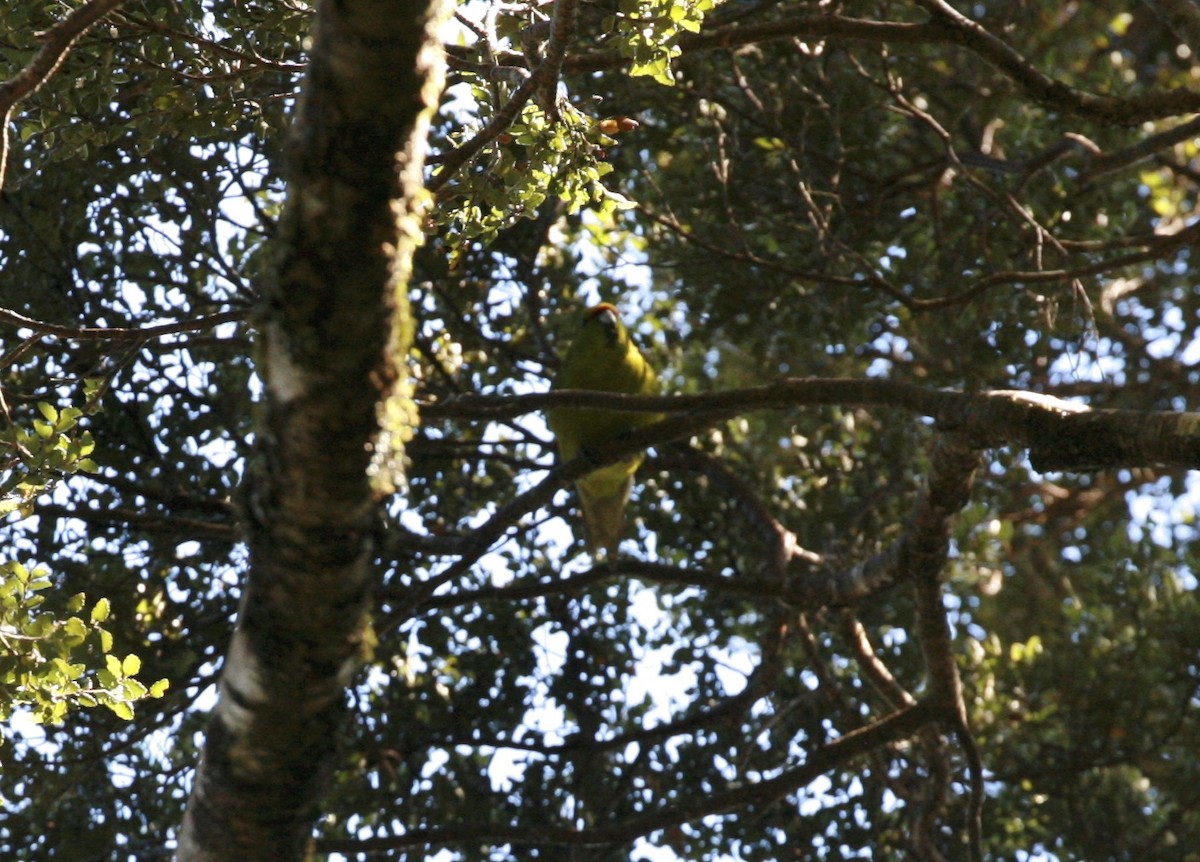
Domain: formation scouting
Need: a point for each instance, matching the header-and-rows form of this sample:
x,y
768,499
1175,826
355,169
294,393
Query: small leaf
x,y
100,611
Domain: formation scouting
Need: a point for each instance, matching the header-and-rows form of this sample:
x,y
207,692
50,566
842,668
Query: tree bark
x,y
332,344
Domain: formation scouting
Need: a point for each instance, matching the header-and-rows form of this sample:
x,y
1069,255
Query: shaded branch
x,y
739,35
946,27
899,725
957,29
194,528
57,42
248,60
779,543
1100,164
1060,435
1182,16
948,487
113,333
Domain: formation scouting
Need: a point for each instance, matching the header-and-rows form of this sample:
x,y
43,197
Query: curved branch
x,y
58,41
1046,91
952,470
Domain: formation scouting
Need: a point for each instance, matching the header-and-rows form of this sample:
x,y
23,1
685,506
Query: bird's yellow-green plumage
x,y
602,357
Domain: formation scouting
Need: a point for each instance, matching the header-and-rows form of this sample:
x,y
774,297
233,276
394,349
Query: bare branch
x,y
952,469
112,333
1182,16
1046,91
1106,163
1060,435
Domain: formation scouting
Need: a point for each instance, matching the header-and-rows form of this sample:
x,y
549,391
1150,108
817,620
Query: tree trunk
x,y
331,352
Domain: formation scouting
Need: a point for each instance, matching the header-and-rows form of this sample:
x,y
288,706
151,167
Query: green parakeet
x,y
602,357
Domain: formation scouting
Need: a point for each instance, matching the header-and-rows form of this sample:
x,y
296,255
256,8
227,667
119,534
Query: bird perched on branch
x,y
602,357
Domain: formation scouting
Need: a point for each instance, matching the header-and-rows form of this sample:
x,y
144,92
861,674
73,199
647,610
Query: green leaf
x,y
100,611
121,708
74,631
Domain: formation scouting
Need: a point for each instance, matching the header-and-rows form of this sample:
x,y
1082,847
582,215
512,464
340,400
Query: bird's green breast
x,y
603,368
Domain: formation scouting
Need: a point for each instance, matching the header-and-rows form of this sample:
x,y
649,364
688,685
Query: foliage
x,y
848,190
50,663
39,669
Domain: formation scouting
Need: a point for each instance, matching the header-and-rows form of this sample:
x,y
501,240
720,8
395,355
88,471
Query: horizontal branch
x,y
946,26
1059,434
736,36
114,333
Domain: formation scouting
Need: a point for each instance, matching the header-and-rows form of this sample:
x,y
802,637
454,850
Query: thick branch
x,y
1060,435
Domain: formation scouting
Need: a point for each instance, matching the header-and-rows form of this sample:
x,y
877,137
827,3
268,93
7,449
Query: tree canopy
x,y
908,567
